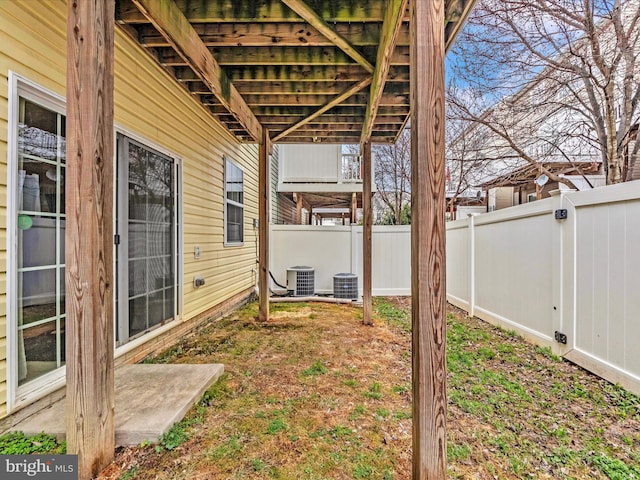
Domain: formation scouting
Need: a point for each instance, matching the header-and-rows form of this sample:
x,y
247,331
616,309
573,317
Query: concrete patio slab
x,y
149,398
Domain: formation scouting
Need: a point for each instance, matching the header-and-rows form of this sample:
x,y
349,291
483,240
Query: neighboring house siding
x,y
154,108
287,211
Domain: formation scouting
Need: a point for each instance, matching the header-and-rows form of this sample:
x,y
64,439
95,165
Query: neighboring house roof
x,y
529,172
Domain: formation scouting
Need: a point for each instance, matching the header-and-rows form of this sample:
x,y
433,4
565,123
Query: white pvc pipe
x,y
310,299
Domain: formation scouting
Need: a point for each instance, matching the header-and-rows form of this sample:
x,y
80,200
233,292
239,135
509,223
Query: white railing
x,y
351,168
520,268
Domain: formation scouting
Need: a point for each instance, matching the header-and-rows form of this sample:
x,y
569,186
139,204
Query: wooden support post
x,y
310,212
263,225
354,208
89,326
298,208
428,240
366,234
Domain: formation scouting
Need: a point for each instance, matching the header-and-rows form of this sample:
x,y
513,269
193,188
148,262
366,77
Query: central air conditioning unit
x,y
301,281
345,285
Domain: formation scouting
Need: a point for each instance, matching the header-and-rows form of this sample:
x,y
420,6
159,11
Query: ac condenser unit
x,y
301,281
345,285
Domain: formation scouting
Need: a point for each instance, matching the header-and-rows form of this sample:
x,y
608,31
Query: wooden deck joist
x,y
325,108
289,58
280,56
282,34
235,11
295,73
390,29
173,25
307,13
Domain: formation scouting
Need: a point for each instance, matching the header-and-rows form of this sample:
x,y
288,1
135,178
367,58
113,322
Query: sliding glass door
x,y
147,234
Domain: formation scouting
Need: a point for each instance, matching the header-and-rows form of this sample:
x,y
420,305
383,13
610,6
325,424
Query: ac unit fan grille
x,y
345,285
301,280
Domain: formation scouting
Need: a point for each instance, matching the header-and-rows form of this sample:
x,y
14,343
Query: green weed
x,y
17,443
175,437
276,426
374,392
314,370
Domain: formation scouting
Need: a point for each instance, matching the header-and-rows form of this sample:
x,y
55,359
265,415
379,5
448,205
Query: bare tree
x,y
562,76
467,163
393,176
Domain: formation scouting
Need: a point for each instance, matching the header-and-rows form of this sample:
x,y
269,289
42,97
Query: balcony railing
x,y
351,170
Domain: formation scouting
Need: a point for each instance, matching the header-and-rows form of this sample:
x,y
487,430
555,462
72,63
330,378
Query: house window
x,y
37,170
233,204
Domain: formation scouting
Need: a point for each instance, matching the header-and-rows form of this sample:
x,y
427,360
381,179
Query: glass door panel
x,y
150,239
40,240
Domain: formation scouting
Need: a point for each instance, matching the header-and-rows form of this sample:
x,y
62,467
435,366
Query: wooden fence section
x,y
520,268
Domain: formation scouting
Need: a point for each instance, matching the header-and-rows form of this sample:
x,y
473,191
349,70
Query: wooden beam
x,y
388,99
343,128
336,101
174,26
308,14
323,121
232,11
428,205
89,329
282,34
310,73
334,139
462,9
303,111
291,88
390,29
298,199
354,208
367,229
229,57
263,224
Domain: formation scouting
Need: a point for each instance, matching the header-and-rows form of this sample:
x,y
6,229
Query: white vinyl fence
x,y
520,268
332,250
525,270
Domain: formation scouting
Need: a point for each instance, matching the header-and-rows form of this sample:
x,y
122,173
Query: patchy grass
x,y
313,394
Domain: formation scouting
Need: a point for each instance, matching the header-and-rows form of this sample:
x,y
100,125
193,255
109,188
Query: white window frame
x,y
227,161
17,397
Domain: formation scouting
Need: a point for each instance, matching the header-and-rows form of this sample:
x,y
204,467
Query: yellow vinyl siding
x,y
180,125
154,108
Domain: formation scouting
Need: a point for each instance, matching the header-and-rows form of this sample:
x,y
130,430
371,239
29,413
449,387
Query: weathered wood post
x,y
263,225
367,226
89,235
298,199
428,240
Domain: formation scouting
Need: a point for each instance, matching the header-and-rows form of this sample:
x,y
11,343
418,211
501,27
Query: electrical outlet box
x,y
196,251
255,223
198,282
